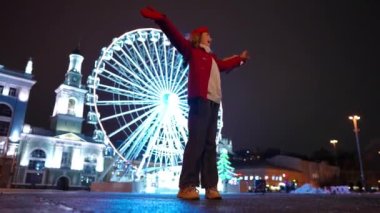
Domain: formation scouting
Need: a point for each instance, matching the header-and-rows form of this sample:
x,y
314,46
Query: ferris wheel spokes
x,y
138,99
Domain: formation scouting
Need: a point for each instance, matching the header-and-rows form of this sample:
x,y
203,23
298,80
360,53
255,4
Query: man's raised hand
x,y
151,13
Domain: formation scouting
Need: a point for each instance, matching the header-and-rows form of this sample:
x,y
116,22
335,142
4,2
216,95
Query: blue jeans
x,y
200,150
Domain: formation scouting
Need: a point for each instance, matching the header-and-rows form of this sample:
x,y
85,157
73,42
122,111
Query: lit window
x,y
37,160
90,159
71,108
66,160
89,167
108,151
37,165
38,153
12,92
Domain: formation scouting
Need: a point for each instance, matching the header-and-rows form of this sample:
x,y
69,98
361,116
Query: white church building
x,y
60,157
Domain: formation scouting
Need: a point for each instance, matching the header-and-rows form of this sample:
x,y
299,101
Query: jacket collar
x,y
206,48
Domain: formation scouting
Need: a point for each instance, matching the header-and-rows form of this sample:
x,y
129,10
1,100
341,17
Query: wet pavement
x,y
84,201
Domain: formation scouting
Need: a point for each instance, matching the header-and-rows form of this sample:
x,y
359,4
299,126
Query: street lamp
x,y
355,119
334,142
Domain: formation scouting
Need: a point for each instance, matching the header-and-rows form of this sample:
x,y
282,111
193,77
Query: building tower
x,y
70,96
14,95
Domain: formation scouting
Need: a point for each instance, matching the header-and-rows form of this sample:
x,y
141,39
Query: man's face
x,y
206,39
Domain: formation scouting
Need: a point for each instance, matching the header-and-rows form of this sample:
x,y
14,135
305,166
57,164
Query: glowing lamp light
x,y
27,129
333,141
354,117
23,95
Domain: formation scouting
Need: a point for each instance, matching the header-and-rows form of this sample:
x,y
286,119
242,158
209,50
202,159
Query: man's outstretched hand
x,y
151,13
244,55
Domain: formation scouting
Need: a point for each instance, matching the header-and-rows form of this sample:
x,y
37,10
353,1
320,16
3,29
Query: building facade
x,y
60,157
282,171
14,94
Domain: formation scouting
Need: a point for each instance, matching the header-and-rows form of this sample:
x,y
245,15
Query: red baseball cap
x,y
199,31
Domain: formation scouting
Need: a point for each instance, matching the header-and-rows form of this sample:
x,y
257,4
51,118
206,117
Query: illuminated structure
x,y
61,157
280,170
14,95
355,119
138,105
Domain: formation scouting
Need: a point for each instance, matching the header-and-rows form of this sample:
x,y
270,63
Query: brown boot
x,y
213,194
188,193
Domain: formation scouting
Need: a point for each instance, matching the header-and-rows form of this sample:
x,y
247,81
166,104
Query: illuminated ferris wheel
x,y
138,99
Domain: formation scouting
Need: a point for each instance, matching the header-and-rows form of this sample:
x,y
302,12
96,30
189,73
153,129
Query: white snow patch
x,y
309,189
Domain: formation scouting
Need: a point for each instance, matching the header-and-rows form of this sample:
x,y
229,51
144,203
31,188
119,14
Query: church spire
x,y
70,98
73,75
76,60
29,66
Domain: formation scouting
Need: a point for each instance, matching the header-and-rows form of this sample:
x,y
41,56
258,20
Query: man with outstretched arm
x,y
204,97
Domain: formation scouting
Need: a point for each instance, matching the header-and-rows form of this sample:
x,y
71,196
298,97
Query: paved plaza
x,y
84,201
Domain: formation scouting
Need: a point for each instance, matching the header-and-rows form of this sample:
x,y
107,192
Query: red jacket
x,y
199,60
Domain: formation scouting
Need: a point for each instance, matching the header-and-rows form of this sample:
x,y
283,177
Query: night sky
x,y
313,63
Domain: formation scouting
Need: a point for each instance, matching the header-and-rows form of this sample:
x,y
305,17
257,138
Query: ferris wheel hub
x,y
170,100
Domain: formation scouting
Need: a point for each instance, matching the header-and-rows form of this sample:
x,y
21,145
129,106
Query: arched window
x,y
37,160
5,119
38,153
71,107
5,110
